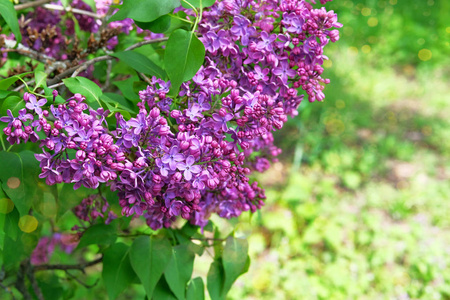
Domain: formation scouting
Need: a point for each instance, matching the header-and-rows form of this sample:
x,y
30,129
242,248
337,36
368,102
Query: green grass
x,y
358,207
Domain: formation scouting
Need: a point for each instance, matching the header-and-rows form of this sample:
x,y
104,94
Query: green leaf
x,y
144,10
19,176
13,253
10,226
6,83
198,3
114,107
4,94
68,198
162,291
117,272
215,280
183,58
140,63
179,270
196,290
149,257
177,22
235,260
40,78
8,13
49,93
160,25
13,103
51,287
85,87
100,234
126,87
119,99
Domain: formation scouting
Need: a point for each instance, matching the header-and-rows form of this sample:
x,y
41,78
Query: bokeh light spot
x,y
447,29
366,49
48,209
421,41
28,223
425,54
6,205
340,104
353,51
366,11
372,39
335,126
392,2
13,183
327,63
372,22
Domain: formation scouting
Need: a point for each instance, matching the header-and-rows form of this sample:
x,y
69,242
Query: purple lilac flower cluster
x,y
94,207
192,156
271,48
41,28
46,246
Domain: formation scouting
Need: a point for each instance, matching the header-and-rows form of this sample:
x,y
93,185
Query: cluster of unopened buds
x,y
192,155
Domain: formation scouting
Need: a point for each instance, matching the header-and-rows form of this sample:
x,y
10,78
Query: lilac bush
x,y
189,146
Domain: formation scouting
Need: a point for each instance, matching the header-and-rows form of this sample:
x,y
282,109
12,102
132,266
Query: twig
x,y
34,284
86,64
72,10
145,78
17,89
88,286
83,66
30,4
140,44
56,85
79,267
108,74
105,18
20,282
27,52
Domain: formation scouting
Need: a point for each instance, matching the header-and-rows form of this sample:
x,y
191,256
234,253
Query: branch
x,y
34,284
10,44
144,78
71,9
30,4
20,283
86,64
79,267
88,286
108,75
140,44
83,66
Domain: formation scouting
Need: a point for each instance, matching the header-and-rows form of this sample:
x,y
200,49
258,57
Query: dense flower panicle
x,y
191,156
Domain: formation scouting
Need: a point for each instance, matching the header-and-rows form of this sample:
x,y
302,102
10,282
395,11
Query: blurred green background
x,y
359,205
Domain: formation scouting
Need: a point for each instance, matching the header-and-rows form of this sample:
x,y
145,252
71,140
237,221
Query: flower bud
x,y
155,112
177,177
17,123
175,114
184,145
26,97
7,131
80,155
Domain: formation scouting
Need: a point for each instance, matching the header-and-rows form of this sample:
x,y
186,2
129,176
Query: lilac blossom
x,y
34,104
188,155
189,168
